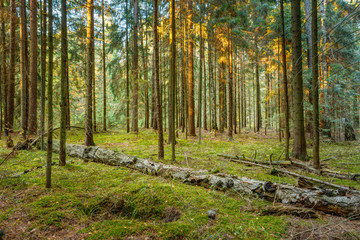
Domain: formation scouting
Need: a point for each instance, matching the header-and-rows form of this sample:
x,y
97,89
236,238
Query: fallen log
x,y
299,164
347,206
297,175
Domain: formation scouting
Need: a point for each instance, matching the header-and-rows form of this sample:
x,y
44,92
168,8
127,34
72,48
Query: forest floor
x,y
94,201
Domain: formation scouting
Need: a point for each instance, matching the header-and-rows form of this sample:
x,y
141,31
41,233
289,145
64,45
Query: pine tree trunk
x,y
50,98
157,82
172,80
63,83
33,69
257,79
4,72
135,95
43,73
191,101
89,141
230,114
24,67
127,73
315,85
285,84
104,64
12,67
299,145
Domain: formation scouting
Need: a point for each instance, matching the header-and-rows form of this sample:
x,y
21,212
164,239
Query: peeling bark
x,y
342,203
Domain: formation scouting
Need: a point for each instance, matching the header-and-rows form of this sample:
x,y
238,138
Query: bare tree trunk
x,y
285,84
103,64
43,73
11,84
191,101
157,82
299,145
127,73
257,79
24,68
89,141
63,83
172,80
33,69
230,114
315,84
4,72
50,98
135,95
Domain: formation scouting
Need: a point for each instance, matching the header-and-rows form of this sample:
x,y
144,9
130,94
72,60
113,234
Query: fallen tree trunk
x,y
347,205
298,176
299,164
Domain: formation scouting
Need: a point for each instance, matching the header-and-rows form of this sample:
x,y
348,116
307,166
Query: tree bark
x,y
315,86
89,140
299,145
103,64
191,101
43,72
24,68
127,73
285,84
33,69
63,83
230,114
11,84
172,80
157,83
135,95
50,97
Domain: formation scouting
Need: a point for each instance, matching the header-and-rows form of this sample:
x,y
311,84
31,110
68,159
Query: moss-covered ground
x,y
95,201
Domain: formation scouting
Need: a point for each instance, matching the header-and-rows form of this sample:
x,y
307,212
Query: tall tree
x,y
257,79
299,145
230,114
157,82
135,95
284,82
24,67
191,101
172,80
103,63
315,85
3,64
63,85
43,72
11,83
127,72
50,97
33,69
90,66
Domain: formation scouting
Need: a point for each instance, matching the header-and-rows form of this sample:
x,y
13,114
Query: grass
x,y
95,201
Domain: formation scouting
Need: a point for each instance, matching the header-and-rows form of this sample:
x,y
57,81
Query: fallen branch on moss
x,y
297,163
347,205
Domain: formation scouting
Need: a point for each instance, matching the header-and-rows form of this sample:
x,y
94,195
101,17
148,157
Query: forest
x,y
180,119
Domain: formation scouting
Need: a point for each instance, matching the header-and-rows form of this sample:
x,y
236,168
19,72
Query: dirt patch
x,y
334,228
171,214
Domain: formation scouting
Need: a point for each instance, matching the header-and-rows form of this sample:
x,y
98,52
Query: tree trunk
x,y
315,86
257,78
11,84
103,64
33,69
285,84
24,68
43,73
191,101
157,82
135,95
50,98
4,72
172,80
299,145
127,73
89,141
63,83
230,114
